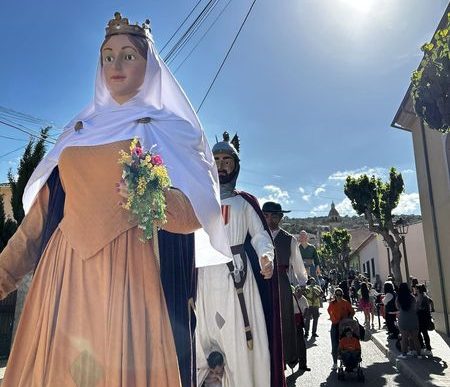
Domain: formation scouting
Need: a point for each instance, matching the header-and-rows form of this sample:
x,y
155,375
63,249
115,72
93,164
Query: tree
x,y
33,154
335,251
376,200
7,226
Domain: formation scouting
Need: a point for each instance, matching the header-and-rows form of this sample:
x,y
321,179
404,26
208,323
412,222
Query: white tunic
x,y
220,325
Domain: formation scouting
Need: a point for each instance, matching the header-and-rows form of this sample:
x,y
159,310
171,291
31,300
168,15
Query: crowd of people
x,y
104,308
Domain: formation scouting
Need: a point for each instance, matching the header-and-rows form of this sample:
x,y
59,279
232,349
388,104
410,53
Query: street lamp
x,y
402,226
388,256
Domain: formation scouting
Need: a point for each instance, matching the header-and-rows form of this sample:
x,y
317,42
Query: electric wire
x,y
15,150
12,138
27,132
203,36
187,35
226,56
191,35
181,25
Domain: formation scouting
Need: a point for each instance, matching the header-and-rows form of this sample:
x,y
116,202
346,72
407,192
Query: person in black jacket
x,y
390,309
424,307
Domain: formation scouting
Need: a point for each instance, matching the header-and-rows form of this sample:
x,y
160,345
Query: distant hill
x,y
295,225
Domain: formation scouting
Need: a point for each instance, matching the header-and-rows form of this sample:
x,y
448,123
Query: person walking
x,y
300,307
364,303
313,294
309,254
408,322
338,309
390,310
289,260
425,319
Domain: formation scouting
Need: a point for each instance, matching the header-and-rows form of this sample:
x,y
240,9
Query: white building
x,y
373,255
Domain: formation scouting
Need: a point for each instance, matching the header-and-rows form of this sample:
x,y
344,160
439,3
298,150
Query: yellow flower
x,y
133,143
142,184
124,158
160,173
443,33
427,47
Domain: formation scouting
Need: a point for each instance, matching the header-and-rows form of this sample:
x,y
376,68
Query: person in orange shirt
x,y
349,349
338,309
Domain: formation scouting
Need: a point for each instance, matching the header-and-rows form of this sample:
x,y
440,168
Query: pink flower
x,y
157,160
138,151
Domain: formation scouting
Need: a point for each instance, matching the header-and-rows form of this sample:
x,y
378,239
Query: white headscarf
x,y
178,135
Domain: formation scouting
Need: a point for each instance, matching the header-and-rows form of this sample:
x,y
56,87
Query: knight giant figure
x,y
238,305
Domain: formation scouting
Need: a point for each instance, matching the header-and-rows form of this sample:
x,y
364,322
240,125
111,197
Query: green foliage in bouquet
x,y
431,82
147,180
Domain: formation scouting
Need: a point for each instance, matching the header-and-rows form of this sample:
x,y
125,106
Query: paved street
x,y
377,369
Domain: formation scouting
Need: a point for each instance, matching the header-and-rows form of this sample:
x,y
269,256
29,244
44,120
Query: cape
x,y
177,277
270,297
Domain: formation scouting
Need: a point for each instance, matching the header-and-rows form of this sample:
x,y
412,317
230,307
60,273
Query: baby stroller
x,y
350,362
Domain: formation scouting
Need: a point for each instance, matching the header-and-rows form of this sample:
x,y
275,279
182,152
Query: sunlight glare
x,y
363,7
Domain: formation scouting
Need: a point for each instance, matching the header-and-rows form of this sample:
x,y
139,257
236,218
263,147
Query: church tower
x,y
333,216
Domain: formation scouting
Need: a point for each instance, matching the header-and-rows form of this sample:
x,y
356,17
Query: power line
x,y
192,29
12,138
226,56
15,150
203,36
181,25
26,131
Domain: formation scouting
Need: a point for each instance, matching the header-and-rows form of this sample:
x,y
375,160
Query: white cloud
x,y
407,171
319,190
301,189
345,208
306,198
275,194
320,210
408,204
342,175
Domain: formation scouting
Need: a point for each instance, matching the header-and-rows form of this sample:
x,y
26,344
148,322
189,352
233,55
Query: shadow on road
x,y
375,375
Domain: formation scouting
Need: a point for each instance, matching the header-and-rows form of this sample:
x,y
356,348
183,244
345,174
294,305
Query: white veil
x,y
175,129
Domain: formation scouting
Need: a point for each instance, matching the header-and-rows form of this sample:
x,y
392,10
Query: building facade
x,y
373,257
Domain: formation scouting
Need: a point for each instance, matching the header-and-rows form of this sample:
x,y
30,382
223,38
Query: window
x,y
373,266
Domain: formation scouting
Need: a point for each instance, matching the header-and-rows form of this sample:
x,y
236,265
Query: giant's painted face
x,y
123,68
225,166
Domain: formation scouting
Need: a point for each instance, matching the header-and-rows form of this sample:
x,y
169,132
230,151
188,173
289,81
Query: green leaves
x,y
374,198
431,82
33,154
335,250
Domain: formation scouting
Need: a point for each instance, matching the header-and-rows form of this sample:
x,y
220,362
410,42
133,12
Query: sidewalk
x,y
424,372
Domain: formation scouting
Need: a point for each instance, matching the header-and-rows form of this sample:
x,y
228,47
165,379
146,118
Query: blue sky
x,y
311,85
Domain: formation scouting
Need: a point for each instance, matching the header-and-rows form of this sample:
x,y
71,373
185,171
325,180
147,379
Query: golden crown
x,y
120,25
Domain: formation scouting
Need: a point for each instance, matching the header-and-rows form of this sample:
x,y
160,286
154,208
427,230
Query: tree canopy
x,y
376,200
335,250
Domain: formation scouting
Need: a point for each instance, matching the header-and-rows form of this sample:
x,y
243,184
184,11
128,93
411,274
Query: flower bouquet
x,y
147,179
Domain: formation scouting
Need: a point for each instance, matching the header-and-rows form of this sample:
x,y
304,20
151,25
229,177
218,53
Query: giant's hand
x,y
122,189
267,267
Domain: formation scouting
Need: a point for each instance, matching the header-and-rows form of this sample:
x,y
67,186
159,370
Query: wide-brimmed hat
x,y
273,207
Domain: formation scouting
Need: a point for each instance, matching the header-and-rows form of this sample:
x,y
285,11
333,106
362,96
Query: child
x,y
349,349
216,370
300,307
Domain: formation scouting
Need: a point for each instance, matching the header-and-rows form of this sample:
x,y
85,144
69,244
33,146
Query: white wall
x,y
415,251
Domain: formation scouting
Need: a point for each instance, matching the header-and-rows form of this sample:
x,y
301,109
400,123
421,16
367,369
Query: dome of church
x,y
333,215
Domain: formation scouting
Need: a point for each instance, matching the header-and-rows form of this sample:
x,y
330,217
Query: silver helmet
x,y
227,146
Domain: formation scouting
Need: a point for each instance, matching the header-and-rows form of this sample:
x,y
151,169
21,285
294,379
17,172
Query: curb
x,y
402,366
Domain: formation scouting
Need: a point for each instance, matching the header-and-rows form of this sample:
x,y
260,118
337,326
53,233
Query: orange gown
x,y
95,314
